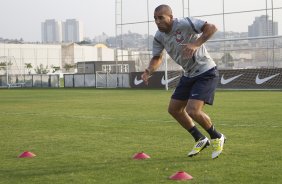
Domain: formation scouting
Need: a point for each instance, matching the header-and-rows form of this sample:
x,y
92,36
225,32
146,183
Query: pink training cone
x,y
141,155
26,154
181,175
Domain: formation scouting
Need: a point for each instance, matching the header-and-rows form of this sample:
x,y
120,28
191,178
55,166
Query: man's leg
x,y
194,110
177,109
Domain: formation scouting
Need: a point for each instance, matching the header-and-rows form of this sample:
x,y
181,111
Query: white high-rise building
x,y
51,31
72,31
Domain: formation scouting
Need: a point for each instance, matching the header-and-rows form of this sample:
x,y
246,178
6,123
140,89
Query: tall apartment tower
x,y
51,31
262,26
72,31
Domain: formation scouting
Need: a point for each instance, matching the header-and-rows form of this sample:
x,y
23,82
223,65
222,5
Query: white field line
x,y
107,117
227,125
60,115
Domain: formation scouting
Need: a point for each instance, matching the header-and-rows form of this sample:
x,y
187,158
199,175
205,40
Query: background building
x,y
51,31
72,31
64,57
262,26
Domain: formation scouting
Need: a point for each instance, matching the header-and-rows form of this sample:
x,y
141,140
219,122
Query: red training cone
x,y
141,155
26,154
181,175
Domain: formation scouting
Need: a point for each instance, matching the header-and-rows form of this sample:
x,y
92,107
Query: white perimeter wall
x,y
56,55
36,54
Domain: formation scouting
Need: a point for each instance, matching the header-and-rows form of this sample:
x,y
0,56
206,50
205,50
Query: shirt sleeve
x,y
196,24
157,45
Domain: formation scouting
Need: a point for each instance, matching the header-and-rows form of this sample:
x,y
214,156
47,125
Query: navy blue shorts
x,y
201,87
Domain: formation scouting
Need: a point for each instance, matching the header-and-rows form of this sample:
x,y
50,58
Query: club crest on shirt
x,y
178,37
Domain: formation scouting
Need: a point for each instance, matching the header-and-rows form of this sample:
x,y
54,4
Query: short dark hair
x,y
164,6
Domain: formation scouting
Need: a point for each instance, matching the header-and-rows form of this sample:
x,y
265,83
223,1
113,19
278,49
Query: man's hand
x,y
145,76
188,50
155,62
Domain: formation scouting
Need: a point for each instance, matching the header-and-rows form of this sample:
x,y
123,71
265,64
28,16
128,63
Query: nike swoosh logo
x,y
260,81
226,81
137,82
164,82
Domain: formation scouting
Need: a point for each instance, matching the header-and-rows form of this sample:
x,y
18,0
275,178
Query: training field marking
x,y
60,115
224,124
107,117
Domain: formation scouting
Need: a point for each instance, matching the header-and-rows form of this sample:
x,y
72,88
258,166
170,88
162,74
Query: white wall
x,y
108,54
36,54
57,54
84,53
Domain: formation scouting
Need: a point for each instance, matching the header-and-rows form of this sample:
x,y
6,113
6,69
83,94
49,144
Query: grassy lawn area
x,y
90,136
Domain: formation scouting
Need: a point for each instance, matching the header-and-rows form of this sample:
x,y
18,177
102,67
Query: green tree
x,y
68,66
4,65
41,69
55,68
28,66
227,60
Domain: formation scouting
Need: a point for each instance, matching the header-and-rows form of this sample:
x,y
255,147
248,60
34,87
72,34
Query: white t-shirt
x,y
183,31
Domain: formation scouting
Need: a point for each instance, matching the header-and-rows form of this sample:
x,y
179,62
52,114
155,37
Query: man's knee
x,y
174,111
176,107
194,108
193,113
171,110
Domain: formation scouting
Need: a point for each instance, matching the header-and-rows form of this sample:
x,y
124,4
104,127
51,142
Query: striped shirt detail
x,y
157,40
192,25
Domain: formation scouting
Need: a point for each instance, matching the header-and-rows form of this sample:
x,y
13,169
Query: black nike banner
x,y
154,80
250,79
228,79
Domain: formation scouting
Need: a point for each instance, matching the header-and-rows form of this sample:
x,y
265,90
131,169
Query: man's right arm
x,y
154,64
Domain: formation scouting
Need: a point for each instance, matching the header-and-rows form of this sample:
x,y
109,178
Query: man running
x,y
184,39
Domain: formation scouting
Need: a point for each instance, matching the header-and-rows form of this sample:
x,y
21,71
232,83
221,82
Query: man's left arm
x,y
207,31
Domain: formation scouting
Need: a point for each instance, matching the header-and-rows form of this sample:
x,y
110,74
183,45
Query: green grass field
x,y
90,136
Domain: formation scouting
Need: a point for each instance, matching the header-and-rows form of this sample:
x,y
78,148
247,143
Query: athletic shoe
x,y
199,146
217,146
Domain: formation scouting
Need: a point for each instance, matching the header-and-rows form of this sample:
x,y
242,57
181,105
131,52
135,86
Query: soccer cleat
x,y
199,146
217,146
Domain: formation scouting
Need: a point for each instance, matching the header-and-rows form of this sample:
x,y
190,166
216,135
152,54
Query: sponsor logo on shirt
x,y
178,37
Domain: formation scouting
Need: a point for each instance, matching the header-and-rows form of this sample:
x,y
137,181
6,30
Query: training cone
x,y
26,154
141,155
181,175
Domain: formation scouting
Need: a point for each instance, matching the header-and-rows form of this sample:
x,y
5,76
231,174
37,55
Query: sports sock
x,y
213,133
196,133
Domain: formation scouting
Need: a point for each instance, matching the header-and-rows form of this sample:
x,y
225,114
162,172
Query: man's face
x,y
163,20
